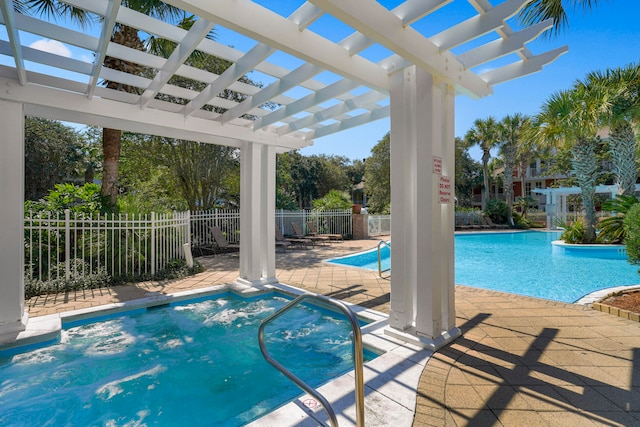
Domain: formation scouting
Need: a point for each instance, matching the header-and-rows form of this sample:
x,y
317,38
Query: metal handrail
x,y
357,356
380,270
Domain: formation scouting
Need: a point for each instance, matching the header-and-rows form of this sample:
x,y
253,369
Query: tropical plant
x,y
498,211
484,134
632,239
334,199
541,10
624,86
574,233
571,118
511,131
612,228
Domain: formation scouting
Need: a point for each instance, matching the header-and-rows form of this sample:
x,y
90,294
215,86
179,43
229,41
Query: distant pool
x,y
523,263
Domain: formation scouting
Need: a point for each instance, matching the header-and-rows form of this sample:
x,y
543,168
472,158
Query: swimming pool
x,y
193,363
524,263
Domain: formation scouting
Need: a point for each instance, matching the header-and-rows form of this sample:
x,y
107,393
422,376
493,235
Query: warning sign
x,y
437,165
444,192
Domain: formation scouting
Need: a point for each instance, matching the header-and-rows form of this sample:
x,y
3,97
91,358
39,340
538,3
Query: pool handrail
x,y
380,270
357,356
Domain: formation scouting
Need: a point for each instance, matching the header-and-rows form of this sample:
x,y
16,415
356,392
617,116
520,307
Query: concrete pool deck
x,y
519,361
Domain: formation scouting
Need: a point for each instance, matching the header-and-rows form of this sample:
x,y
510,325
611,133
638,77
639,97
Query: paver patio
x,y
520,361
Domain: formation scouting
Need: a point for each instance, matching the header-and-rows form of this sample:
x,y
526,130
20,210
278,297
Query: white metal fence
x,y
379,225
335,221
72,246
64,247
325,221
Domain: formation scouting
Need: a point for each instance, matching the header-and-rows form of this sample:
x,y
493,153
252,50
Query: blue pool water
x,y
185,365
524,263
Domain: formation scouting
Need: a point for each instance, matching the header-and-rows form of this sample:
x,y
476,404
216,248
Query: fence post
x,y
153,243
67,244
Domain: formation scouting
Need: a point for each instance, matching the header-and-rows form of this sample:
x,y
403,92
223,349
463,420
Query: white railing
x,y
379,225
335,221
66,246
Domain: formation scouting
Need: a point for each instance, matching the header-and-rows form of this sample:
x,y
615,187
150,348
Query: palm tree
x,y
540,10
484,134
571,118
624,85
124,35
511,131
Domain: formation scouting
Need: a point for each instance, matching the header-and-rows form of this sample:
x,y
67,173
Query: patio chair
x,y
314,238
494,225
460,224
477,220
313,231
469,222
222,245
290,242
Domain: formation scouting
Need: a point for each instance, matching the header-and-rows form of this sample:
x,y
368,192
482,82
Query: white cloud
x,y
51,46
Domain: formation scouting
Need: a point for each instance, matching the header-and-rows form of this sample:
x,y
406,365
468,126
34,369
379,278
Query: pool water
x,y
192,364
523,263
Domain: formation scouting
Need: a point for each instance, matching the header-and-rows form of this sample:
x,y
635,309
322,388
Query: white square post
x,y
422,204
13,317
257,214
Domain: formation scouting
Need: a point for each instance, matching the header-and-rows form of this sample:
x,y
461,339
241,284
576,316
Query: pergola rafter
x,y
284,105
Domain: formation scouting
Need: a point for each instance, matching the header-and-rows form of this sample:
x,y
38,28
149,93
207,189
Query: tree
x,y
511,131
122,35
468,174
377,176
53,155
572,118
334,199
484,134
624,85
541,10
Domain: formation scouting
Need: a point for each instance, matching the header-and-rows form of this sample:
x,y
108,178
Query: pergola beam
x,y
478,25
388,30
14,39
197,33
502,47
522,68
270,28
103,44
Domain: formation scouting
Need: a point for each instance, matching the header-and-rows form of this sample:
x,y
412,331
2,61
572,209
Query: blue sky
x,y
609,37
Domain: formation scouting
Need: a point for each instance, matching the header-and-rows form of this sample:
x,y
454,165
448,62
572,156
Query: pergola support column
x,y
257,214
422,202
13,317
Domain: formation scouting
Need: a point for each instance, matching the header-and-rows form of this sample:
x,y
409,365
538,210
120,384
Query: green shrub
x,y
176,269
498,211
632,238
612,228
573,233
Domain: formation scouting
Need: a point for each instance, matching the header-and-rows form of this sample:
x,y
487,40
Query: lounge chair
x,y
313,231
290,242
494,225
460,224
221,242
477,220
300,235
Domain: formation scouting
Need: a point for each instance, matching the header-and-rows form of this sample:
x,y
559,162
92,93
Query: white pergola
x,y
387,65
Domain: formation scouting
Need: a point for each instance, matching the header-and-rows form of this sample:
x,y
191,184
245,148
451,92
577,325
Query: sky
x,y
608,37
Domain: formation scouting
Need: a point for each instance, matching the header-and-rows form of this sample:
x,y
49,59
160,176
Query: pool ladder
x,y
380,244
357,356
